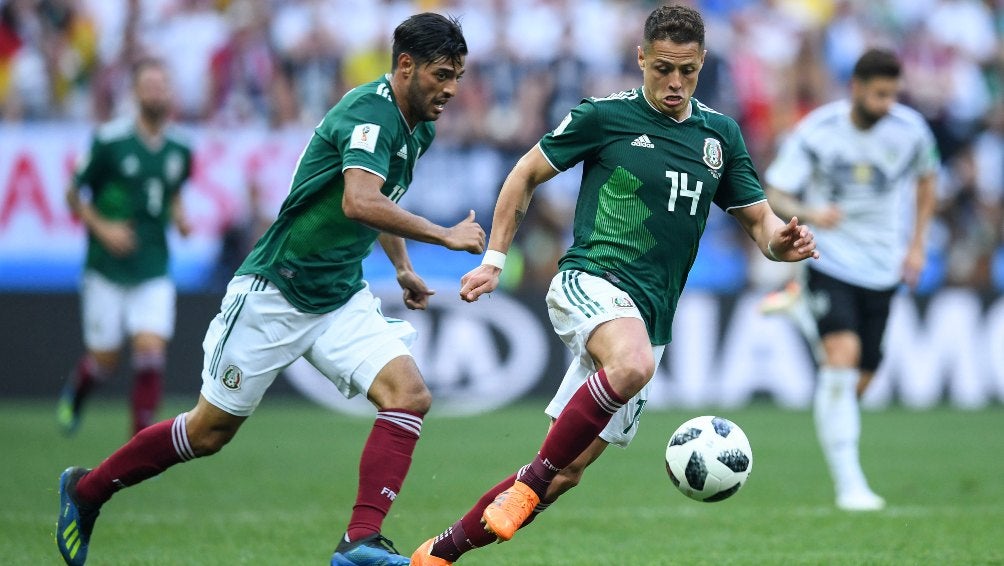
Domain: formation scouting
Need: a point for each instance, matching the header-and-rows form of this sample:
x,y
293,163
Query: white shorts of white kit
x,y
577,303
111,311
257,333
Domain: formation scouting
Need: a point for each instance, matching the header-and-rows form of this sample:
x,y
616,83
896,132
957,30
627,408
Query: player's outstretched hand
x,y
468,236
794,242
416,293
478,281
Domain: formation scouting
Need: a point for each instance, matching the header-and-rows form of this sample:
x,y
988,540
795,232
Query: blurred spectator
x,y
309,52
187,36
243,68
47,50
278,64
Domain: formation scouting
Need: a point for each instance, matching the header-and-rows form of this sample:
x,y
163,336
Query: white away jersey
x,y
870,175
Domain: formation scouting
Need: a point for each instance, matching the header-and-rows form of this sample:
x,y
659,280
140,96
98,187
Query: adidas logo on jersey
x,y
643,141
403,152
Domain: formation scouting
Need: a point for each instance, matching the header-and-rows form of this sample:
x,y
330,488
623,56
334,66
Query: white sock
x,y
838,427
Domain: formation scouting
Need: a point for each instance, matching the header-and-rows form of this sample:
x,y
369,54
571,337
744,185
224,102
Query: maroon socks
x,y
382,468
150,452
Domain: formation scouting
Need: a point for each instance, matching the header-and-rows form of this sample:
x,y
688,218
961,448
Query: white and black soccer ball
x,y
709,458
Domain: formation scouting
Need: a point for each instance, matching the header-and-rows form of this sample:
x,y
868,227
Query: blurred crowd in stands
x,y
282,63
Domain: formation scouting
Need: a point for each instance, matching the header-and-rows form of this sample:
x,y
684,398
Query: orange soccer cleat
x,y
509,510
423,556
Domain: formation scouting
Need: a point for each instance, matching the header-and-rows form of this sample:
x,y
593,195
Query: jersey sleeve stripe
x,y
367,169
548,159
731,208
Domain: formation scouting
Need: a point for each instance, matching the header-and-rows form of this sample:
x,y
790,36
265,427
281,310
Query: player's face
x,y
872,99
153,94
430,87
669,74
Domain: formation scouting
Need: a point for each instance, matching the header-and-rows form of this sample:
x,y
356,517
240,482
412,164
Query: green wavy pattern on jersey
x,y
322,226
619,233
114,202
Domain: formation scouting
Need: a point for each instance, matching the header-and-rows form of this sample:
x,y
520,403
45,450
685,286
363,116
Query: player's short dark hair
x,y
679,24
877,63
429,37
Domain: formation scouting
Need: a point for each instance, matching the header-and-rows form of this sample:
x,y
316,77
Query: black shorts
x,y
841,306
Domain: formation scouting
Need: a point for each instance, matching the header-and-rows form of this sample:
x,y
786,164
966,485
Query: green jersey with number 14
x,y
312,252
647,186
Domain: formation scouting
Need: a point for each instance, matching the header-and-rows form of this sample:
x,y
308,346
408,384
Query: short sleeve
x,y
363,133
186,169
740,185
928,158
792,168
576,137
88,168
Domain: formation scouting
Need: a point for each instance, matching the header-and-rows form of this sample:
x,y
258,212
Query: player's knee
x,y
207,438
418,400
408,393
630,374
566,480
102,365
153,360
209,442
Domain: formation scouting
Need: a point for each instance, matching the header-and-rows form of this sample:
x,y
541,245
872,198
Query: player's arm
x,y
916,255
777,240
117,237
416,293
514,199
787,205
792,168
179,217
363,202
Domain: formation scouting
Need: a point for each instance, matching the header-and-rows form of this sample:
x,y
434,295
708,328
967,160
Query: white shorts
x,y
257,333
577,303
112,311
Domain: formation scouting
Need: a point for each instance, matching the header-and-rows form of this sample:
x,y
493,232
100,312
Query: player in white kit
x,y
852,170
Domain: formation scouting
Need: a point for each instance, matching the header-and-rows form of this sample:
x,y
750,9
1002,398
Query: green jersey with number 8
x,y
133,181
647,186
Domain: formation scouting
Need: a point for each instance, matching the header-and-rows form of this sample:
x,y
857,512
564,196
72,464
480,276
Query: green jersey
x,y
131,180
312,252
647,186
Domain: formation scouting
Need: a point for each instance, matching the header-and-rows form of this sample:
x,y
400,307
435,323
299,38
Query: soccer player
x,y
300,293
848,170
134,171
654,162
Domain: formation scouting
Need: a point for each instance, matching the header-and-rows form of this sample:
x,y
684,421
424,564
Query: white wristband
x,y
494,258
771,254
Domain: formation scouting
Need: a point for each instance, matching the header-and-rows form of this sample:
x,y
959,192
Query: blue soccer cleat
x,y
75,523
374,550
68,409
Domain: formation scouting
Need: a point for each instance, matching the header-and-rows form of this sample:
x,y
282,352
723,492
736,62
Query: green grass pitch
x,y
282,492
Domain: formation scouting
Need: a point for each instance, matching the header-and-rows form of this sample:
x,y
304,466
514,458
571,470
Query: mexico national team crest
x,y
713,153
623,302
232,377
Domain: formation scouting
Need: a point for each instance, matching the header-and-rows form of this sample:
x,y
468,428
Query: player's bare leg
x,y
402,400
621,348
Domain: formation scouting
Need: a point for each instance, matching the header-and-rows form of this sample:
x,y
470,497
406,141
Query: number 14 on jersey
x,y
679,186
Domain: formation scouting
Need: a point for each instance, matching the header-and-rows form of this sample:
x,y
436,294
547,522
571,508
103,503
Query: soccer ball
x,y
709,458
